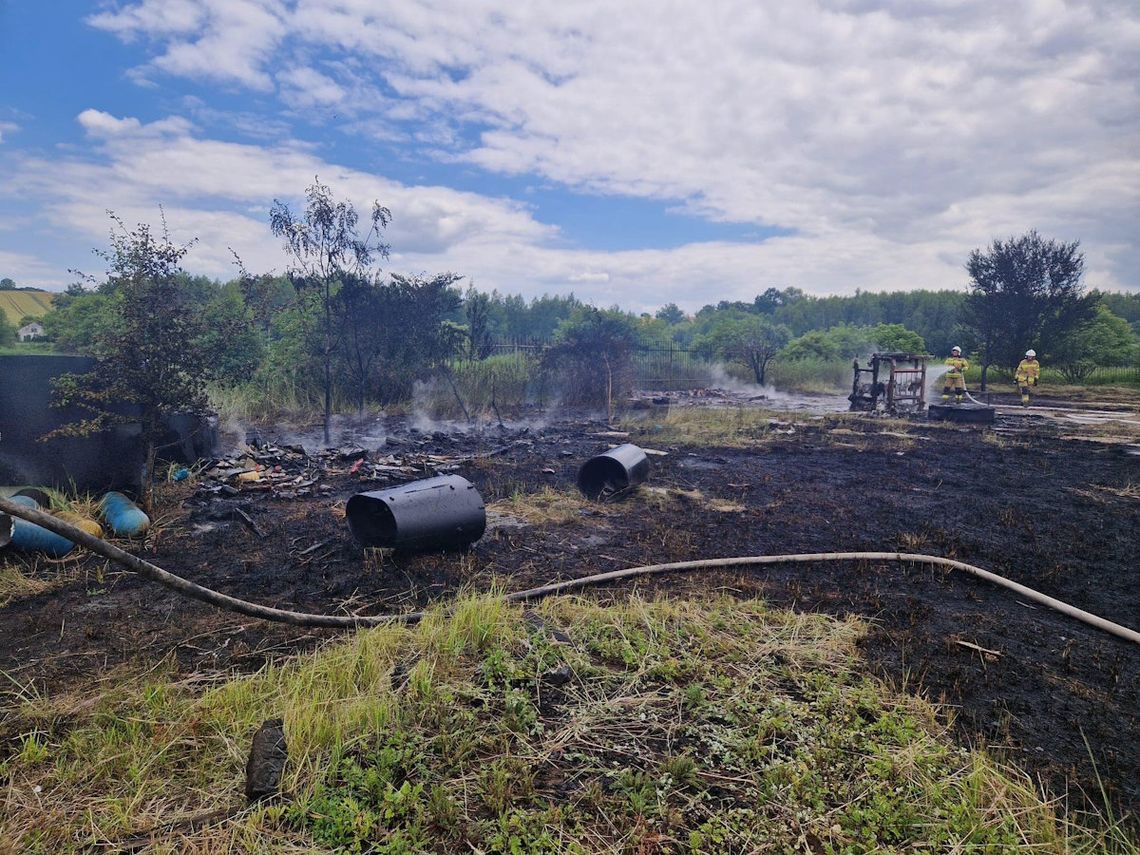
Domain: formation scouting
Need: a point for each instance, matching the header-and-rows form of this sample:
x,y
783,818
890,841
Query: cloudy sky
x,y
636,152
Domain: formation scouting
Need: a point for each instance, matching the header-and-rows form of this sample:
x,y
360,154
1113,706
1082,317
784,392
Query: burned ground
x,y
1057,515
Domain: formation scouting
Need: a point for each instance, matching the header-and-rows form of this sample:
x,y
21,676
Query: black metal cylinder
x,y
42,498
436,513
617,469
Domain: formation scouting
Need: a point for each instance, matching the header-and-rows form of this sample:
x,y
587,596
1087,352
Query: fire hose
x,y
215,598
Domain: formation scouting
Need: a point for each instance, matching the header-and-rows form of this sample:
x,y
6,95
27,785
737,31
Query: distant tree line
x,y
7,284
337,329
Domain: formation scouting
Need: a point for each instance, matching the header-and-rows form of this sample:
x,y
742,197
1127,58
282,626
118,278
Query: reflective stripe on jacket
x,y
957,365
1028,369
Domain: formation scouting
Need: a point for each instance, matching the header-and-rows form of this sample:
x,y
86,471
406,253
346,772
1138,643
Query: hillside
x,y
19,304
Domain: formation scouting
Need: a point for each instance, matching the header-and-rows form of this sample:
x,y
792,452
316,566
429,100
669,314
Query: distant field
x,y
19,304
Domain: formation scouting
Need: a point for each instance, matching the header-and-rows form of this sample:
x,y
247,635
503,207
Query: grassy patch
x,y
735,427
698,726
810,375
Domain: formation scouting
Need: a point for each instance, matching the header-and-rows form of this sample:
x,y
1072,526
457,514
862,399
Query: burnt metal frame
x,y
902,389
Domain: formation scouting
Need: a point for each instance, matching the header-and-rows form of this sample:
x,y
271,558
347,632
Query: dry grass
x,y
670,498
546,507
699,725
1099,492
736,427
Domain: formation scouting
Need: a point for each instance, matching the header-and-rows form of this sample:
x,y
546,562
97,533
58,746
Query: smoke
x,y
437,409
345,431
934,372
721,379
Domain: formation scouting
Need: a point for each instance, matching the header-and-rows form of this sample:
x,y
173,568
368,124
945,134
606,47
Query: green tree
x,y
773,299
232,338
420,338
7,332
896,337
7,284
842,342
151,355
1105,339
325,246
477,309
77,319
1125,306
592,349
264,296
750,340
670,314
1019,289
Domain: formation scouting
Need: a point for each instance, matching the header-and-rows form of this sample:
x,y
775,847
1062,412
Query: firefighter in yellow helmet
x,y
956,376
1028,370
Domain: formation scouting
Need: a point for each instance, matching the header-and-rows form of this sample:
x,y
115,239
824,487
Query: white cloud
x,y
307,87
7,128
895,124
220,192
28,271
891,138
219,40
590,276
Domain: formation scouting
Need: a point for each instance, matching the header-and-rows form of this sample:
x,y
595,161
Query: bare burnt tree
x,y
326,247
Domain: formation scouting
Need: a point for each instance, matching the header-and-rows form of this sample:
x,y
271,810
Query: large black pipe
x,y
437,513
617,469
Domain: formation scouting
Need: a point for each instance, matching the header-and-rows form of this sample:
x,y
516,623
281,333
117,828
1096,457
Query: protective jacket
x,y
958,365
1027,372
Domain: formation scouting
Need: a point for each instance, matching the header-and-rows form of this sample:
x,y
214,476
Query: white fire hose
x,y
224,601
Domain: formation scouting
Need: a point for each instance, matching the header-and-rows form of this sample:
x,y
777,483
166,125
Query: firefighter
x,y
956,377
1028,370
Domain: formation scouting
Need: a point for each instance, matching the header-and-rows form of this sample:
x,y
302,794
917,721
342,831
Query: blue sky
x,y
637,153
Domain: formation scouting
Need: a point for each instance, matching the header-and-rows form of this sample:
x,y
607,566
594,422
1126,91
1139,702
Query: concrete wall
x,y
112,459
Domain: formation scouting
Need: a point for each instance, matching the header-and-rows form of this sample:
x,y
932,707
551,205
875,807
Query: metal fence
x,y
1106,376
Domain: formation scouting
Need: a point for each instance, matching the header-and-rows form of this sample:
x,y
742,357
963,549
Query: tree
x,y
592,349
896,337
230,335
421,339
1105,339
842,342
670,314
1019,288
325,247
773,299
7,284
751,340
477,309
151,355
7,332
264,296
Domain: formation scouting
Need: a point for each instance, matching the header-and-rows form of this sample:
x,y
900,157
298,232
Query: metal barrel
x,y
33,538
617,469
125,518
437,513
